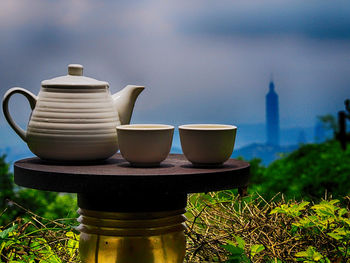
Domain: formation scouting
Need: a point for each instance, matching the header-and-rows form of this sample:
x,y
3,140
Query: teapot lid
x,y
74,78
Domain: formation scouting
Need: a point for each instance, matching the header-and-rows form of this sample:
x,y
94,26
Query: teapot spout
x,y
124,102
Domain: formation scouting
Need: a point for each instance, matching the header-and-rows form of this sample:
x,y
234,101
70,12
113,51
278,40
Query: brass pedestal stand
x,y
132,237
132,227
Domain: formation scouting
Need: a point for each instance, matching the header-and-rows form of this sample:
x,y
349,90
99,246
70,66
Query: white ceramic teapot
x,y
74,118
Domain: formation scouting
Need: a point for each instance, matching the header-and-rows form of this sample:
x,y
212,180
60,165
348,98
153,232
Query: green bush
x,y
50,205
307,173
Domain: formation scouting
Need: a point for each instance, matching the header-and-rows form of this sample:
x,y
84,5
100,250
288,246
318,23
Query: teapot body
x,y
73,124
74,118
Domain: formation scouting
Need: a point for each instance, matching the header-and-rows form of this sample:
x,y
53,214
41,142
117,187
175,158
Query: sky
x,y
201,61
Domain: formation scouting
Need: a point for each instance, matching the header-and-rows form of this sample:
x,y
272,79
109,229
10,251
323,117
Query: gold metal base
x,y
132,237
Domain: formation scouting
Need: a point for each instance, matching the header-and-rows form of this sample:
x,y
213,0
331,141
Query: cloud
x,y
312,19
16,13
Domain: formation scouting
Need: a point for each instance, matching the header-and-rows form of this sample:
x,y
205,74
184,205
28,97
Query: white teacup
x,y
207,144
145,145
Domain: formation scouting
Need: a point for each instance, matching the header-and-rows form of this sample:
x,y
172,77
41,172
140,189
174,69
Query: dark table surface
x,y
175,174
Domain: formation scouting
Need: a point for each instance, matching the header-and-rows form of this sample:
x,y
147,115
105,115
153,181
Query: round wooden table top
x,y
174,175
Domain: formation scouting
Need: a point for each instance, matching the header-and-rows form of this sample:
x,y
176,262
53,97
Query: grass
x,y
226,228
32,238
221,227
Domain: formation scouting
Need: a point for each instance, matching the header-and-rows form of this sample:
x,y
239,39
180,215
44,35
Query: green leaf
x,y
255,249
303,204
310,251
240,242
317,256
334,201
342,211
5,233
310,255
335,236
290,209
302,254
235,251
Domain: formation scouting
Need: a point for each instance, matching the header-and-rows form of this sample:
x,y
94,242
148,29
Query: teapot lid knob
x,y
75,70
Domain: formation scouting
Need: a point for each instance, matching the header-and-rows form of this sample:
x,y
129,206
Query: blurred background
x,y
201,62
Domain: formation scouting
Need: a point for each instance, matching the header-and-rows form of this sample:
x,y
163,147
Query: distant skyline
x,y
201,61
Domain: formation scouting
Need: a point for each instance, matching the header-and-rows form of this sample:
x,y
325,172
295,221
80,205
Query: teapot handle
x,y
5,107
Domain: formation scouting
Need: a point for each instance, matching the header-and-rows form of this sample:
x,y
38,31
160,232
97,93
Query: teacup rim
x,y
207,127
145,127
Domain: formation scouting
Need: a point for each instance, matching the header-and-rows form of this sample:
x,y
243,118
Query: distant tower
x,y
272,116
